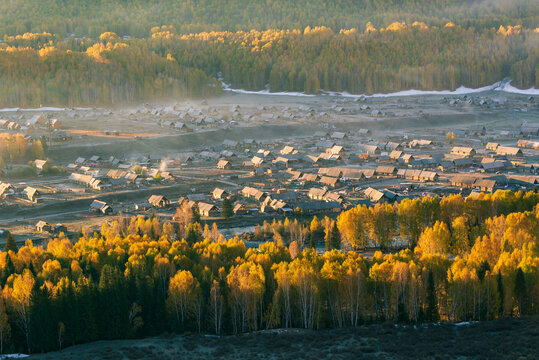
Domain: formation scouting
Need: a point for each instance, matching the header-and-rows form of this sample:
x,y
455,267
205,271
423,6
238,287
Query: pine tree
x,y
335,237
482,270
501,294
8,269
226,209
520,291
328,237
196,214
11,244
432,303
193,235
312,240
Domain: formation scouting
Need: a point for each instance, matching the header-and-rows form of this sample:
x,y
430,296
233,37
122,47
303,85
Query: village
x,y
268,156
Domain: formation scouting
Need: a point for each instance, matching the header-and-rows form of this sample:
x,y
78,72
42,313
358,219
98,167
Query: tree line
x,y
140,277
16,148
136,17
41,68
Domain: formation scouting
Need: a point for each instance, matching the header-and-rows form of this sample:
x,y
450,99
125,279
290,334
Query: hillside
x,y
42,68
137,17
486,339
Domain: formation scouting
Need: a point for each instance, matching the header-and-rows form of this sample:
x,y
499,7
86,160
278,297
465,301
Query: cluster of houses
x,y
50,127
26,193
326,172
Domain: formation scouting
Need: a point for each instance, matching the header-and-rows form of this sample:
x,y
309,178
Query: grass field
x,y
500,339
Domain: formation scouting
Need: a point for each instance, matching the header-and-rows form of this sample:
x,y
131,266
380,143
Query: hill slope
x,y
137,17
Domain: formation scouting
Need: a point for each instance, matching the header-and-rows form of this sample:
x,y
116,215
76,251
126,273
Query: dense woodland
x,y
467,259
15,148
41,68
136,17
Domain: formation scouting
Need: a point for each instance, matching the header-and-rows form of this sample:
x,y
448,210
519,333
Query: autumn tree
x,y
20,296
353,227
382,225
183,293
36,150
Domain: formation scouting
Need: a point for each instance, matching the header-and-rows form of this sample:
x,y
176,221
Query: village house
x,y
371,149
224,164
377,196
338,135
419,143
508,151
228,154
314,207
219,193
331,196
317,193
485,184
31,193
252,193
264,153
56,124
288,150
352,174
428,176
208,210
528,144
43,226
41,164
407,158
386,170
463,181
463,151
116,173
324,144
336,150
6,189
309,177
100,207
395,154
329,157
239,209
390,146
295,175
462,162
492,146
159,201
257,161
494,166
331,171
329,181
280,161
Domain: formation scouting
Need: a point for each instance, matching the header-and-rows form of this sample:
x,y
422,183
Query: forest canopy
x,y
467,259
43,68
90,18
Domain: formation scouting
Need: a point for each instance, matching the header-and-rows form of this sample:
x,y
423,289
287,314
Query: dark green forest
x,y
102,52
136,17
42,68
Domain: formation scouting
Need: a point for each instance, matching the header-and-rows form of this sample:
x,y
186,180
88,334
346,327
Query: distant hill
x,y
96,52
137,17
